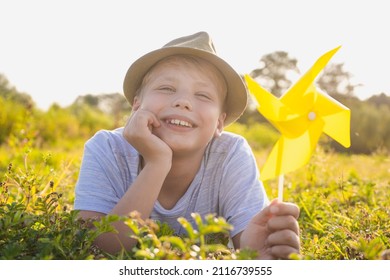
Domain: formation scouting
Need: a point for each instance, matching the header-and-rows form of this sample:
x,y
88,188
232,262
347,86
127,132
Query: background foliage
x,y
343,194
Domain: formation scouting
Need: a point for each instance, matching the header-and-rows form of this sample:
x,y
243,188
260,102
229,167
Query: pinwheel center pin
x,y
312,116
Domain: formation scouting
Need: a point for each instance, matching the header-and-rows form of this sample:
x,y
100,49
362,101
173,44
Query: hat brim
x,y
236,98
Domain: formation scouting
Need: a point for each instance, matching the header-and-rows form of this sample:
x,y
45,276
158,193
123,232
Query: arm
x,y
273,232
144,191
269,228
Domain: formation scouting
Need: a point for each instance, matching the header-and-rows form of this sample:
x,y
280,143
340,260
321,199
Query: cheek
x,y
212,119
152,103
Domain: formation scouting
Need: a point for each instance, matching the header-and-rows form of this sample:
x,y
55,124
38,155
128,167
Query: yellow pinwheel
x,y
300,115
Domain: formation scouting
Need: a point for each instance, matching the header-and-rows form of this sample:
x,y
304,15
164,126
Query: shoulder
x,y
107,135
109,139
229,142
228,150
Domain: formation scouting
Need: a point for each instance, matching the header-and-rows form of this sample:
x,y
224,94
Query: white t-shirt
x,y
227,183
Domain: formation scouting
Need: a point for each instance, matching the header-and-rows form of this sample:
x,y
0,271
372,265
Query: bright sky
x,y
57,50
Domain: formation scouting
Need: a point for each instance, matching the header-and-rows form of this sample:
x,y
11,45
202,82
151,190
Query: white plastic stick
x,y
280,188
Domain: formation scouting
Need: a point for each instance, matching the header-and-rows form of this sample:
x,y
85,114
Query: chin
x,y
180,147
183,144
183,147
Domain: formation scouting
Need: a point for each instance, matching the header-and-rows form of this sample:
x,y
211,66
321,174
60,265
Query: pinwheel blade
x,y
267,104
289,154
292,98
336,117
300,115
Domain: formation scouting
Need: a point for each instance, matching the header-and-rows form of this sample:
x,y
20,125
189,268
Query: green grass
x,y
345,205
344,202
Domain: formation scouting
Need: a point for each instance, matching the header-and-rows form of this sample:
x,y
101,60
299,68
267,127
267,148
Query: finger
x,y
284,209
144,117
276,208
283,251
263,216
284,237
278,223
153,121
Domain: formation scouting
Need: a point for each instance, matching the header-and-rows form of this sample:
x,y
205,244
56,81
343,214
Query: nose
x,y
182,102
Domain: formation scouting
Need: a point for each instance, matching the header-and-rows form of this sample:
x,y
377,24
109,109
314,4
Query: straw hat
x,y
199,45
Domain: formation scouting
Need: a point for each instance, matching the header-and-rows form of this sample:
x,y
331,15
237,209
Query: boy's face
x,y
188,101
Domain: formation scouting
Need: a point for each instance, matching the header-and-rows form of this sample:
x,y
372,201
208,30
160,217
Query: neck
x,y
184,166
183,170
179,178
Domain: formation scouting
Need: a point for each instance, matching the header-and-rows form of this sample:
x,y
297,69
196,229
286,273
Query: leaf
x,y
175,241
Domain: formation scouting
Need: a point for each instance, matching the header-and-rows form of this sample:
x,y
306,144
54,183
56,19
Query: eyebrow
x,y
163,78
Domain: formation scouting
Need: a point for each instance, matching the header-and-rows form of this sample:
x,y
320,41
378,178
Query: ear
x,y
136,103
220,125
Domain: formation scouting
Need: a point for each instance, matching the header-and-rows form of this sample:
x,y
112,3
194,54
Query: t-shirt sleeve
x,y
242,194
99,179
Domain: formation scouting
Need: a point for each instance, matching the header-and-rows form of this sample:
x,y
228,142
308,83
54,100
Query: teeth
x,y
180,122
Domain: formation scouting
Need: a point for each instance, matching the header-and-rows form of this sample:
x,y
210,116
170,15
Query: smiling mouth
x,y
179,123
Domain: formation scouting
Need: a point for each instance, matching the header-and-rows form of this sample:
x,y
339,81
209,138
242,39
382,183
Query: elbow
x,y
114,243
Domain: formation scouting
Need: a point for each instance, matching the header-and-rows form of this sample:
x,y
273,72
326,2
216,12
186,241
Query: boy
x,y
172,158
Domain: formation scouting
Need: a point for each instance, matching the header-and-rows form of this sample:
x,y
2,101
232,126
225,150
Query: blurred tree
x,y
116,105
88,99
334,80
273,71
378,100
370,119
113,104
14,107
272,75
8,92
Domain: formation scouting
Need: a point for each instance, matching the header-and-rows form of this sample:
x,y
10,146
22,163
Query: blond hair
x,y
200,64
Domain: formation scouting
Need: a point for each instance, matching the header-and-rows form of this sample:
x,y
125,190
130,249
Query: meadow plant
x,y
344,202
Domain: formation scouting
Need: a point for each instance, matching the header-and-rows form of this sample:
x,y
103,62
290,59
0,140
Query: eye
x,y
167,89
203,96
